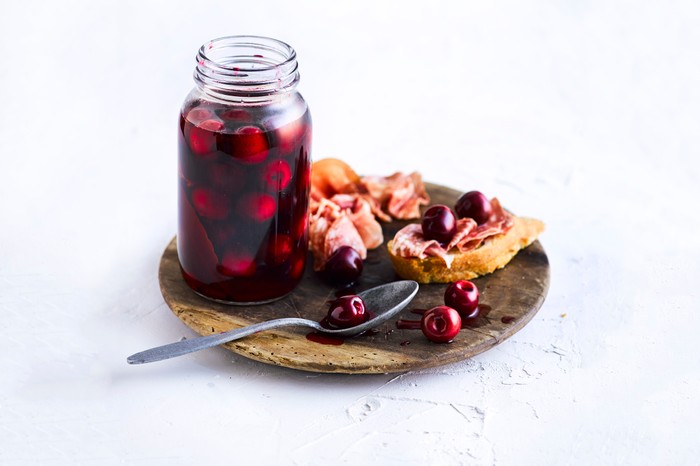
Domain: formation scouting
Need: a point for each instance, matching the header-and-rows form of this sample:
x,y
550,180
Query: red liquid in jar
x,y
244,176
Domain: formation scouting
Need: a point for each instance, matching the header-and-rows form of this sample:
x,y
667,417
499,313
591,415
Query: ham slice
x,y
469,235
410,242
400,195
330,227
344,208
360,212
342,232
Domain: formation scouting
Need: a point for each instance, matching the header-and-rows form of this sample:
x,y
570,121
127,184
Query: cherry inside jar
x,y
244,144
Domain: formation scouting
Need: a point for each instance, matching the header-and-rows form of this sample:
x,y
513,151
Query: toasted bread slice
x,y
492,255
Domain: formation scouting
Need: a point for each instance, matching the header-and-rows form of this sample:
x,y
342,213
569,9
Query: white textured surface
x,y
584,114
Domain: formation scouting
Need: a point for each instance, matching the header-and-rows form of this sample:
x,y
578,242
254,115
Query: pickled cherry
x,y
474,205
250,145
439,223
202,136
463,296
344,266
346,311
441,324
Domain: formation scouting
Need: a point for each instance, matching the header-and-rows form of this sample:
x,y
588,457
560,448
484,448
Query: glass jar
x,y
244,144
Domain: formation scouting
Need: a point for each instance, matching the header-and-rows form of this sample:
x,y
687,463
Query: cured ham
x,y
330,227
469,235
360,212
342,232
333,176
410,242
344,208
400,195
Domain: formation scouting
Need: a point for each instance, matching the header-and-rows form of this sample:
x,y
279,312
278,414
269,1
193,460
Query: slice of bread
x,y
492,255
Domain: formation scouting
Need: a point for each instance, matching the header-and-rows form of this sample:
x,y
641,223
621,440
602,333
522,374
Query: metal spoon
x,y
392,297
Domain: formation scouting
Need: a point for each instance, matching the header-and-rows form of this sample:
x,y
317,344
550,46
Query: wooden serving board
x,y
514,294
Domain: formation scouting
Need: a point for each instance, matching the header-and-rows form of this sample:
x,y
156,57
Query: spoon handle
x,y
195,344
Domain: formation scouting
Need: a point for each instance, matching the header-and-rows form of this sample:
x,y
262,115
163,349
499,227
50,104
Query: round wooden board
x,y
516,291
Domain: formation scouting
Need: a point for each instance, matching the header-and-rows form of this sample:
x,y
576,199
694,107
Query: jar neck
x,y
246,69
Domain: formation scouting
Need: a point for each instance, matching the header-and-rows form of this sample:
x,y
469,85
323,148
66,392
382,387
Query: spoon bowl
x,y
391,297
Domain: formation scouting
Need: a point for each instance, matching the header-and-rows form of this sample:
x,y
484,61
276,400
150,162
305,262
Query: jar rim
x,y
246,67
252,41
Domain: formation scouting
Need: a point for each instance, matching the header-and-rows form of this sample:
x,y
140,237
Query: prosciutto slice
x,y
331,227
360,212
344,208
401,195
410,242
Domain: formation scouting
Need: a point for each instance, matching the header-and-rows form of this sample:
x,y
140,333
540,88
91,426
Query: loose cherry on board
x,y
441,324
463,296
347,311
474,205
344,266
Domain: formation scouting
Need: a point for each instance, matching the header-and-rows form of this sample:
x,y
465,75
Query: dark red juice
x,y
244,175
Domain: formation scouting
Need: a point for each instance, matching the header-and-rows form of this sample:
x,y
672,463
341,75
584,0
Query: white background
x,y
581,113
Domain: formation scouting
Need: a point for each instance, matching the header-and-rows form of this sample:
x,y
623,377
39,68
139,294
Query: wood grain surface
x,y
514,293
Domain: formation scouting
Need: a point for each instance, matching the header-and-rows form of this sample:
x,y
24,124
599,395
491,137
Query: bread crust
x,y
492,255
